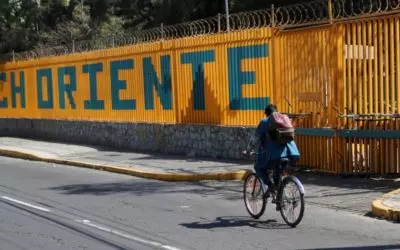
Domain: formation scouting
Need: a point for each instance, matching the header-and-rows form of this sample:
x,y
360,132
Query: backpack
x,y
281,129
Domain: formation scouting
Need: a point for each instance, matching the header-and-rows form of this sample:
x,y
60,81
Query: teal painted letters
x,y
4,100
92,69
197,60
164,89
237,77
18,90
117,85
40,74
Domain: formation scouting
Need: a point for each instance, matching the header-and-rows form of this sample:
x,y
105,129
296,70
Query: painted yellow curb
x,y
382,211
237,175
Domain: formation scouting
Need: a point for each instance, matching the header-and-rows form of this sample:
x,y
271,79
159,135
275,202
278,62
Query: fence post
x,y
13,55
330,11
273,15
227,15
73,46
162,30
274,60
219,22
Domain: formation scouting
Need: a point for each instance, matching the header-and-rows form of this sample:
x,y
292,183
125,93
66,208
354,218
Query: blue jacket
x,y
270,150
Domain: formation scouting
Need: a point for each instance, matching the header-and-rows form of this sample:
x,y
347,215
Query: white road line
x,y
25,204
126,236
98,227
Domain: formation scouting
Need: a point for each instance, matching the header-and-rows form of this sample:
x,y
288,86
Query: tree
x,y
19,24
29,24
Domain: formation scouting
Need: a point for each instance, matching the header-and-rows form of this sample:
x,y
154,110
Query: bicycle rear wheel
x,y
253,194
291,201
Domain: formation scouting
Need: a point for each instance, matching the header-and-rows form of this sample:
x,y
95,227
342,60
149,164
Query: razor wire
x,y
302,14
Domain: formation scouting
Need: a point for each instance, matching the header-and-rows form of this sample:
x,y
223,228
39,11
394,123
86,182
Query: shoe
x,y
269,194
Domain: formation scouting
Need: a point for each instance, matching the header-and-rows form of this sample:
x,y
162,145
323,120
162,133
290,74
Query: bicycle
x,y
278,193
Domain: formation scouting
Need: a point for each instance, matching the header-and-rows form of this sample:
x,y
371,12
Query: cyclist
x,y
270,151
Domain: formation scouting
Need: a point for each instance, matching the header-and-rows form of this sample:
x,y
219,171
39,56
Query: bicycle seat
x,y
285,160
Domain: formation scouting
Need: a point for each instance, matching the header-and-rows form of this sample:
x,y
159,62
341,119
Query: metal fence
x,y
313,13
346,77
342,85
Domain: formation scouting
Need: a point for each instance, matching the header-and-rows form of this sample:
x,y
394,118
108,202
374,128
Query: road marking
x,y
126,236
25,204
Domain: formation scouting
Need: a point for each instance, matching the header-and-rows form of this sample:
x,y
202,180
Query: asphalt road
x,y
47,206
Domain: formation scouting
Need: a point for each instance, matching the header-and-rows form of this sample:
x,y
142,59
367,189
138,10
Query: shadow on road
x,y
224,222
397,246
141,187
333,187
358,183
354,194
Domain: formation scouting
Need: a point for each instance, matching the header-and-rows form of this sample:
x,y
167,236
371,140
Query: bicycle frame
x,y
275,190
282,168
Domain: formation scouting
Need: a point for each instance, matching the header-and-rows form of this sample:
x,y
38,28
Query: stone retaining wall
x,y
194,140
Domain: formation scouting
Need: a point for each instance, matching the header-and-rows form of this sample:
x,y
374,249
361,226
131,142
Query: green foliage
x,y
29,24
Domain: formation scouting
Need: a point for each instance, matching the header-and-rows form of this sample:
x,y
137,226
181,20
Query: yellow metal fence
x,y
339,82
344,80
220,79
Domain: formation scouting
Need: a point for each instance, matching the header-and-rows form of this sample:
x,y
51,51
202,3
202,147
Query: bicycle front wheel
x,y
253,194
291,201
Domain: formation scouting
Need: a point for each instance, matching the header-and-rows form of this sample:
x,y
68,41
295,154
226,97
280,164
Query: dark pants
x,y
262,171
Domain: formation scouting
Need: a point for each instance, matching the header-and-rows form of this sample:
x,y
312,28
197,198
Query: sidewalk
x,y
350,194
160,167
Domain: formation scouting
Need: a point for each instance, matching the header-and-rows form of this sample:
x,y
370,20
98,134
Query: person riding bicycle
x,y
271,150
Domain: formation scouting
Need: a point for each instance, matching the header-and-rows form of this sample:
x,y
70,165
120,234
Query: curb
x,y
237,175
380,210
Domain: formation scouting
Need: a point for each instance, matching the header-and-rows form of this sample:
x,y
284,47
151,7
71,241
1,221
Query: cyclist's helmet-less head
x,y
270,108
